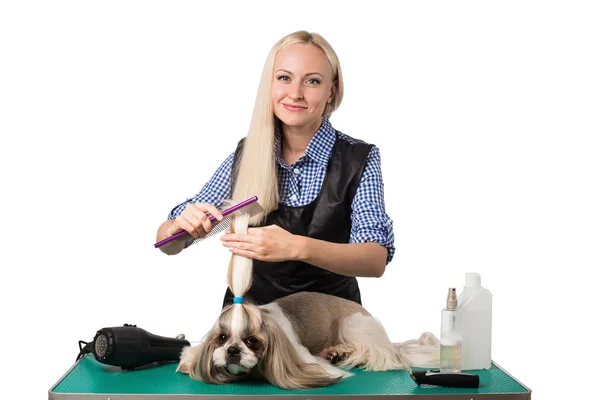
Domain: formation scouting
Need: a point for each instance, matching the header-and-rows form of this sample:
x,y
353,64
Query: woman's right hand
x,y
193,219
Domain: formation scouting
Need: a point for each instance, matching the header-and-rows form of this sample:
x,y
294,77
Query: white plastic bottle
x,y
475,302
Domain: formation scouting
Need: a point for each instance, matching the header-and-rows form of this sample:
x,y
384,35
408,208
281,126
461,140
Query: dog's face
x,y
238,347
233,347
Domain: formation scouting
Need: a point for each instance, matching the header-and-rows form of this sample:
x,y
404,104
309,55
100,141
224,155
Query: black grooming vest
x,y
326,218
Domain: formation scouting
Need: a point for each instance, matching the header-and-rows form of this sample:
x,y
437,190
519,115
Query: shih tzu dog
x,y
304,340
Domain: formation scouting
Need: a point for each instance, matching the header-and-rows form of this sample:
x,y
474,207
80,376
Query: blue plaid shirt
x,y
300,183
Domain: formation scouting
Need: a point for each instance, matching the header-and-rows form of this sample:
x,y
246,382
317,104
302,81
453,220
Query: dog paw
x,y
186,360
333,355
184,368
328,353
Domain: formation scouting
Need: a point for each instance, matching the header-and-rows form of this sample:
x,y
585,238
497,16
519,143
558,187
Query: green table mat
x,y
89,379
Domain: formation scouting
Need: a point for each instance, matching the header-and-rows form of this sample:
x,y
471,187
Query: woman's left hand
x,y
269,243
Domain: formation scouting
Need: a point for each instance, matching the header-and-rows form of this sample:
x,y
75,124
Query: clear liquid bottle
x,y
451,338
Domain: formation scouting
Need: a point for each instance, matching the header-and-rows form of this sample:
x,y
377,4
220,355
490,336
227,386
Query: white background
x,y
486,114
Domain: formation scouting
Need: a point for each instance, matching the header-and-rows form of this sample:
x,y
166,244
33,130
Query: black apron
x,y
326,218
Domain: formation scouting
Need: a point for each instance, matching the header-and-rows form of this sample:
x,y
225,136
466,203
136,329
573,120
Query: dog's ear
x,y
282,366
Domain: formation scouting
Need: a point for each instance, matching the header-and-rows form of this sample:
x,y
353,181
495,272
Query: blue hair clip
x,y
238,300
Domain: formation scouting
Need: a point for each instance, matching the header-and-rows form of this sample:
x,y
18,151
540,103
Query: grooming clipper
x,y
447,379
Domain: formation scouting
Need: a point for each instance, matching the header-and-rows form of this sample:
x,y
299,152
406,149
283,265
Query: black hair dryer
x,y
131,347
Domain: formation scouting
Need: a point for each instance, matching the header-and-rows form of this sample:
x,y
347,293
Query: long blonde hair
x,y
256,171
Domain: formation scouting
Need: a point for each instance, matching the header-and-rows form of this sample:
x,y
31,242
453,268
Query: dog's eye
x,y
222,338
250,340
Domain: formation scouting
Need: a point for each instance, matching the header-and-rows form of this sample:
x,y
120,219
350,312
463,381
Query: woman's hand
x,y
269,243
273,243
193,219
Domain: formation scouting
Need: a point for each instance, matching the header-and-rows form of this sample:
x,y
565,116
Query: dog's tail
x,y
423,352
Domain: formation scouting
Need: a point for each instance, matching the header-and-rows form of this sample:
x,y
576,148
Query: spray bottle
x,y
451,340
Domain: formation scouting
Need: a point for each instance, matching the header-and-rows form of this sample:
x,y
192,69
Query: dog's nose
x,y
233,350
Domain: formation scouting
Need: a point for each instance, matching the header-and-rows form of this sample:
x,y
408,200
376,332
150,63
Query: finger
x,y
230,237
175,229
246,253
187,226
196,219
268,227
239,237
207,224
209,208
239,245
199,219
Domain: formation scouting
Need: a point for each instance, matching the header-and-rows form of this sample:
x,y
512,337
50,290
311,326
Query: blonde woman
x,y
322,191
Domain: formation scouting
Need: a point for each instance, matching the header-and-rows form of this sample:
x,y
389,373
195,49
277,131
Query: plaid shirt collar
x,y
319,147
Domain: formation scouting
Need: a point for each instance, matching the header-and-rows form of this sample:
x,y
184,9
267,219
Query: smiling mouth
x,y
294,108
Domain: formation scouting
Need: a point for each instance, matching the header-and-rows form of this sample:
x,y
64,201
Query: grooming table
x,y
89,379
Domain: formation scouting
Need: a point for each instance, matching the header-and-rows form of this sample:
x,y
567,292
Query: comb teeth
x,y
250,207
217,228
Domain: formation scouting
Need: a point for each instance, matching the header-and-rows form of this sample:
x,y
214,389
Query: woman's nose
x,y
295,92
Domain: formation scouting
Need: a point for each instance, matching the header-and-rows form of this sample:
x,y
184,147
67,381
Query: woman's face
x,y
302,85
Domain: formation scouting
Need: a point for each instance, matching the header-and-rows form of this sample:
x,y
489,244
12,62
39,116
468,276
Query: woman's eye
x,y
314,81
283,78
222,339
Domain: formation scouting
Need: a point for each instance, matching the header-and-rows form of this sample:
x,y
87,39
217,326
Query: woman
x,y
324,222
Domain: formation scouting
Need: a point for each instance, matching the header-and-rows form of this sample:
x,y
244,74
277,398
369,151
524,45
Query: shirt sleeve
x,y
370,223
215,191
